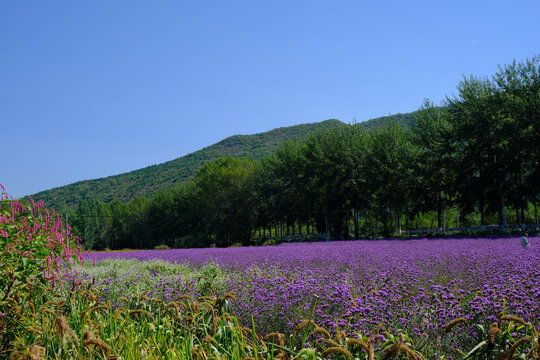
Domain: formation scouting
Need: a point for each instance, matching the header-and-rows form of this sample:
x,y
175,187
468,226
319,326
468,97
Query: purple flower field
x,y
413,285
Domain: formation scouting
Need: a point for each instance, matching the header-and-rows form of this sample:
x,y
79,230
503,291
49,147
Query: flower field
x,y
413,286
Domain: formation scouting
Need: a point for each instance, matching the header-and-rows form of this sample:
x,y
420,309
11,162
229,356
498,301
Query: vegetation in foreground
x,y
78,326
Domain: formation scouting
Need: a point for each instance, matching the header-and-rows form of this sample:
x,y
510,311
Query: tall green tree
x,y
518,95
476,122
281,185
494,123
118,234
137,217
390,172
226,192
90,223
434,167
334,160
175,215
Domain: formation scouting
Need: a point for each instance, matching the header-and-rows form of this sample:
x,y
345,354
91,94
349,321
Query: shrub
x,y
36,250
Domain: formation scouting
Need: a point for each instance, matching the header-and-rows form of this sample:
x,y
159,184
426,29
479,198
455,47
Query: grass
x,y
114,278
80,326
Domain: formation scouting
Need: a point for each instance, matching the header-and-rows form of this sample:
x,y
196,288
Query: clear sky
x,y
90,89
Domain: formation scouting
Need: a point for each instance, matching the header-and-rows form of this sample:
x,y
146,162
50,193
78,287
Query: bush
x,y
36,250
162,247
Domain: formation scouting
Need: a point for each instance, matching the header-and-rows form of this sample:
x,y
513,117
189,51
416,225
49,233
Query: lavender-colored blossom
x,y
417,285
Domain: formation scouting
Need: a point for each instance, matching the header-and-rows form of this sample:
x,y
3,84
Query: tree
x,y
280,185
118,234
226,192
334,160
137,218
389,171
494,124
434,169
475,122
174,216
518,95
90,224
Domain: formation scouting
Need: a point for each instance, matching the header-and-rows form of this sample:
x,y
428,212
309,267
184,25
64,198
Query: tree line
x,y
476,157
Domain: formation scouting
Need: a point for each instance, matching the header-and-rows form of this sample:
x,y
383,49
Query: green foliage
x,y
434,165
81,326
226,192
509,338
494,122
147,181
35,249
138,276
90,223
390,171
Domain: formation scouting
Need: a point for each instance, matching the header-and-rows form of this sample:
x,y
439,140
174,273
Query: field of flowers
x,y
411,286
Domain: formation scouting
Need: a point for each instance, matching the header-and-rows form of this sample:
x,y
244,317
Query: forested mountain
x,y
148,180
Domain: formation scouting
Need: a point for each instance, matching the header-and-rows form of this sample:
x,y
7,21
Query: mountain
x,y
405,119
148,180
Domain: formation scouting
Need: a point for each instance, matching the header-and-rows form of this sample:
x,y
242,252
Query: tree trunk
x,y
320,224
325,228
503,214
398,220
376,223
482,212
523,203
406,220
444,218
535,211
356,227
348,223
501,211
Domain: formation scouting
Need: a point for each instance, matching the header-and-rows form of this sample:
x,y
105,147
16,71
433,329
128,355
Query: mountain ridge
x,y
150,179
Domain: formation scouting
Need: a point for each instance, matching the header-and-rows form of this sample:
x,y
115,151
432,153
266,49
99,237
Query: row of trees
x,y
477,154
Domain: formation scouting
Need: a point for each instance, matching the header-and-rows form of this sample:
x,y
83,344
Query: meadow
x,y
411,286
474,298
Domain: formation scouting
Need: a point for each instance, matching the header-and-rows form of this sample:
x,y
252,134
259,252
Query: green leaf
x,y
475,349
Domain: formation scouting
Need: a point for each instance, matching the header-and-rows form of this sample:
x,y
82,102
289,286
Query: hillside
x,y
148,180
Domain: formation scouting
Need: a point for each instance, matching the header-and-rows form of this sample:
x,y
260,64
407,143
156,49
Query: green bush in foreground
x,y
35,250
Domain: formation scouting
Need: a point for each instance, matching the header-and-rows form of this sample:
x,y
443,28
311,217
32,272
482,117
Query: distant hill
x,y
148,180
406,119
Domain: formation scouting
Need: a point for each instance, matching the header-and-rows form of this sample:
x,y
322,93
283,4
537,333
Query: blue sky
x,y
90,89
